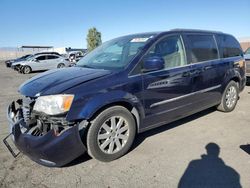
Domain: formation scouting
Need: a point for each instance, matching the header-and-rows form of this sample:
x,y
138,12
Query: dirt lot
x,y
159,157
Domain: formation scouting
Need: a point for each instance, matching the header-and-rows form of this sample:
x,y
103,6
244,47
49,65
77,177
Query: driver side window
x,y
171,50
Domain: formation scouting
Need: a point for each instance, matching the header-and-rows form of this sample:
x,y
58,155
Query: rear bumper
x,y
48,150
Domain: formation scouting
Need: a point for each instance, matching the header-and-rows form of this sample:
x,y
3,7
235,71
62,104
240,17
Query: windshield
x,y
116,53
30,58
247,51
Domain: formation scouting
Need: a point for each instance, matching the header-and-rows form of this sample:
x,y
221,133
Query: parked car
x,y
247,54
75,56
40,61
8,63
247,58
99,106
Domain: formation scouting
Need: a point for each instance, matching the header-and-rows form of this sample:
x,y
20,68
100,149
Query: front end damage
x,y
47,140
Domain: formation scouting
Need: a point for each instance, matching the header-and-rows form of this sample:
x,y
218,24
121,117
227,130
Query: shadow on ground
x,y
209,171
141,137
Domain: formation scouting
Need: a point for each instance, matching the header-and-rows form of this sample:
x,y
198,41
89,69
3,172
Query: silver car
x,y
247,54
39,62
247,58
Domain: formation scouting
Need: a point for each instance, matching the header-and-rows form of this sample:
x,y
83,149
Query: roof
x,y
195,30
176,30
36,46
244,39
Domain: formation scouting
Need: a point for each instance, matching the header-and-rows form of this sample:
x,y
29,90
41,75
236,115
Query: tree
x,y
94,39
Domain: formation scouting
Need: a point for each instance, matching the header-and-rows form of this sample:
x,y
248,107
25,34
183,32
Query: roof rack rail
x,y
195,30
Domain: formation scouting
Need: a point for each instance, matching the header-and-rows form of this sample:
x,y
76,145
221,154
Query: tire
x,y
26,69
101,133
229,98
248,81
60,65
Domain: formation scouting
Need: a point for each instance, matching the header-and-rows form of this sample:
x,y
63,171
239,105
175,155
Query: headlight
x,y
53,104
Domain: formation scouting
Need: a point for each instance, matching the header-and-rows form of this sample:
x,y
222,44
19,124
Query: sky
x,y
65,23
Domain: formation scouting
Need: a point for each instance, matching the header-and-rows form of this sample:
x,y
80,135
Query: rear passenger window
x,y
52,57
229,46
201,48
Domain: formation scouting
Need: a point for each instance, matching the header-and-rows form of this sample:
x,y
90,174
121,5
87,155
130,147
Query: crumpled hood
x,y
19,62
58,80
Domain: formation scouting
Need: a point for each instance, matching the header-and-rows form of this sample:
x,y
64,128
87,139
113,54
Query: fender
x,y
231,74
97,102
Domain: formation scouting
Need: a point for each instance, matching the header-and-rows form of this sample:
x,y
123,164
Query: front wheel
x,y
229,98
26,70
111,134
60,65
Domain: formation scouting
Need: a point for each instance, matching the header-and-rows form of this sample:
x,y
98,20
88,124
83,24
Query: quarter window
x,y
229,46
202,48
171,50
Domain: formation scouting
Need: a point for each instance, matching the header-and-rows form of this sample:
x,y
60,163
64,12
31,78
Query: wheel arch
x,y
231,75
134,111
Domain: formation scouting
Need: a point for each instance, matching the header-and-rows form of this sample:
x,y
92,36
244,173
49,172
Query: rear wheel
x,y
111,134
26,69
229,98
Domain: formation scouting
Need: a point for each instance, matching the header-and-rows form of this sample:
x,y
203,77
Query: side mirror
x,y
153,64
35,60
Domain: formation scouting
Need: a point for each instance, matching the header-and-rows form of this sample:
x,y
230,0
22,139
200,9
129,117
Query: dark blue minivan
x,y
124,87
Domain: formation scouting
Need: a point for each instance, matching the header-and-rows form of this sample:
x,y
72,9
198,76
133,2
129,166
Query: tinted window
x,y
41,58
171,50
52,57
229,46
201,48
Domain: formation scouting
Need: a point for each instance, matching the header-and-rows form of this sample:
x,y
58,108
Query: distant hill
x,y
244,39
8,48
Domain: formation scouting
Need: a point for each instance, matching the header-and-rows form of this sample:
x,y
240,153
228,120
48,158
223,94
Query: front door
x,y
41,62
166,92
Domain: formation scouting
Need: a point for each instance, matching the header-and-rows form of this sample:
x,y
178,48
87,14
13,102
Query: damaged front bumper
x,y
49,149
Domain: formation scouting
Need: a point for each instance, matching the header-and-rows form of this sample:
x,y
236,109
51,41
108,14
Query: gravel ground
x,y
159,157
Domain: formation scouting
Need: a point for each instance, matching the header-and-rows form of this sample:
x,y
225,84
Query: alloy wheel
x,y
231,96
113,135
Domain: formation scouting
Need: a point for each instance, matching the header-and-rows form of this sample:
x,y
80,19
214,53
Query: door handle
x,y
186,74
207,67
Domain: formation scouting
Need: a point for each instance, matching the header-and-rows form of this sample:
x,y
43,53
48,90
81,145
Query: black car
x,y
124,87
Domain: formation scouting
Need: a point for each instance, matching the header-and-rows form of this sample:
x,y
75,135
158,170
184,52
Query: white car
x,y
247,54
42,61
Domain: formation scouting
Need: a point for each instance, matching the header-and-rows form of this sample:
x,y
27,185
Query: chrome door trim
x,y
183,96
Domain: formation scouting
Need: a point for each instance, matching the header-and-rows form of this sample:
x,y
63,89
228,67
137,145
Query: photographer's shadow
x,y
209,171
